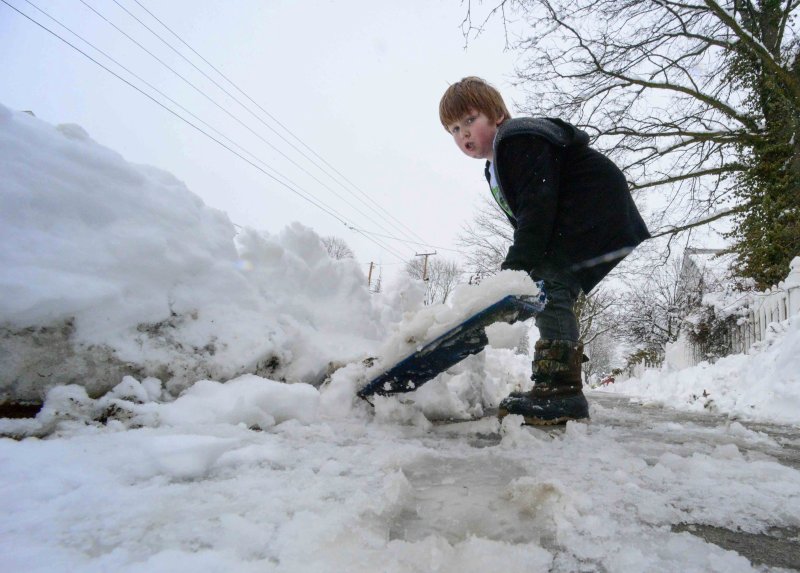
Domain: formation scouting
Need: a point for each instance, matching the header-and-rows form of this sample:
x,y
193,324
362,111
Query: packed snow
x,y
259,457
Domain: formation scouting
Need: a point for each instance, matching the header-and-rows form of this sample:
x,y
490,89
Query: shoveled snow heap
x,y
426,324
108,267
467,389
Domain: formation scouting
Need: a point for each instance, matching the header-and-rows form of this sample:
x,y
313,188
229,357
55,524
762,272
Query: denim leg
x,y
557,321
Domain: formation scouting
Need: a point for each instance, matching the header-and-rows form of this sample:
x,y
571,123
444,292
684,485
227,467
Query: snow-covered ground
x,y
256,475
240,472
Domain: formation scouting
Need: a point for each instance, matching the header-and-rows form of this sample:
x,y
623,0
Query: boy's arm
x,y
530,174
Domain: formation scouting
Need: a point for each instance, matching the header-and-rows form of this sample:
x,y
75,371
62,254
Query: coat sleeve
x,y
529,172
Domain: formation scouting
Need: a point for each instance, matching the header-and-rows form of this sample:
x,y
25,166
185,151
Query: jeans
x,y
557,321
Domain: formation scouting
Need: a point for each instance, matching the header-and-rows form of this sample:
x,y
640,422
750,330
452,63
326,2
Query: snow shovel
x,y
452,347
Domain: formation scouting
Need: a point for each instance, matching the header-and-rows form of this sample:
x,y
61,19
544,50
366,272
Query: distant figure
x,y
574,220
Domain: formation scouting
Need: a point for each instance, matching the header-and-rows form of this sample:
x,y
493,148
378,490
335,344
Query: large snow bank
x,y
109,268
764,384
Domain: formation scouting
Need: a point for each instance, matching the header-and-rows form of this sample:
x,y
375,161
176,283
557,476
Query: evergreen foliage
x,y
767,232
711,333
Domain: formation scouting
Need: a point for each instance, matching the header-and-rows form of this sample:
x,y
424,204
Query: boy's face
x,y
474,134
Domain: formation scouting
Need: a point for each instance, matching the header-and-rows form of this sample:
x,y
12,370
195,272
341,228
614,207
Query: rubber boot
x,y
557,395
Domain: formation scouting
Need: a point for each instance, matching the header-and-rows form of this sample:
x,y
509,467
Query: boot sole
x,y
531,421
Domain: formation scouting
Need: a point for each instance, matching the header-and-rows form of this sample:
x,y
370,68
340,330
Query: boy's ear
x,y
500,119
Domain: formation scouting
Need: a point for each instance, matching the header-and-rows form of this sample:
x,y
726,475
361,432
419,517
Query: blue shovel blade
x,y
452,347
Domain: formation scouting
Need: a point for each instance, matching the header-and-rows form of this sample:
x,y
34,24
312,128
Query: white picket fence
x,y
637,369
767,308
774,305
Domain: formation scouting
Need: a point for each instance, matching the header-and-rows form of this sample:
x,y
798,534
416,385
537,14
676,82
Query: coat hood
x,y
555,131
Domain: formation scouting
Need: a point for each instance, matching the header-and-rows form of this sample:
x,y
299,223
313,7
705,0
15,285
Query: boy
x,y
574,220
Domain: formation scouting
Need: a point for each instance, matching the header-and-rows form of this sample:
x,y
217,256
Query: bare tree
x,y
486,238
594,312
443,276
697,100
337,248
651,313
598,323
602,352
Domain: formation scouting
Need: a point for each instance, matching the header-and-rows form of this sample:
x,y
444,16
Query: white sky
x,y
359,82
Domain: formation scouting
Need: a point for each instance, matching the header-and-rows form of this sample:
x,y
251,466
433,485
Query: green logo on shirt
x,y
498,196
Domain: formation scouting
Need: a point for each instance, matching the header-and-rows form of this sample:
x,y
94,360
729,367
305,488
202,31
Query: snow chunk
x,y
504,335
249,400
185,457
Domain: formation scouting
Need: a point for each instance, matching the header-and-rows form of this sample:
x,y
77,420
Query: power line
x,y
335,212
422,242
273,118
173,112
155,89
337,215
413,242
222,108
238,102
232,142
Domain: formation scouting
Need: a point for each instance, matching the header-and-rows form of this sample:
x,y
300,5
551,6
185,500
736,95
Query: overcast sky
x,y
356,81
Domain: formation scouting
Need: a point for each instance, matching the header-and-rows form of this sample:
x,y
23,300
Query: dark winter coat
x,y
573,216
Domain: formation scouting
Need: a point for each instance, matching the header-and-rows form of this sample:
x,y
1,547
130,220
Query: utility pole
x,y
425,264
369,276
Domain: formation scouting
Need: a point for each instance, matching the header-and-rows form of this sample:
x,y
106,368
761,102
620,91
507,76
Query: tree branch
x,y
731,168
698,223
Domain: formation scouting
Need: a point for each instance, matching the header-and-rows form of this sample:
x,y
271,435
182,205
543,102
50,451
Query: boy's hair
x,y
471,93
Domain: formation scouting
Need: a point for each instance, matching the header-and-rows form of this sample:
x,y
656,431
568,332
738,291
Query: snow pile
x,y
762,385
113,270
250,400
729,300
109,268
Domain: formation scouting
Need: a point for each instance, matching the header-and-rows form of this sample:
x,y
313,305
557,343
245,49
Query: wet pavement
x,y
777,547
445,490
